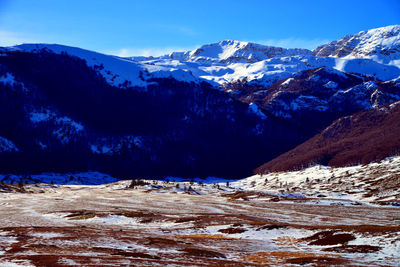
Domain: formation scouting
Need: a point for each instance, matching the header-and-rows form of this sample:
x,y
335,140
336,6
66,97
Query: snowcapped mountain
x,y
374,52
381,44
229,61
232,51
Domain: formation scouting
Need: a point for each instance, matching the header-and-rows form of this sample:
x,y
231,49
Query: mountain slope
x,y
358,139
117,71
313,99
381,44
58,114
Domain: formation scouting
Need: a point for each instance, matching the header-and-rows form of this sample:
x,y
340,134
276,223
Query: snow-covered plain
x,y
377,182
196,223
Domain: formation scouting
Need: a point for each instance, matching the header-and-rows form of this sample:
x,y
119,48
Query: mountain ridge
x,y
382,44
225,62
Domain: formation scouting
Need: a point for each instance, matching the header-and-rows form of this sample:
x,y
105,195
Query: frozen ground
x,y
194,223
374,183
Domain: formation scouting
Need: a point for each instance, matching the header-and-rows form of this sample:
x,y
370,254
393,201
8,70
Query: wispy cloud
x,y
176,29
127,52
294,42
14,38
184,30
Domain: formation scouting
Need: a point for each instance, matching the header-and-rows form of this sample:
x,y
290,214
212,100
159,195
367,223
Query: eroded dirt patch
x,y
354,249
328,238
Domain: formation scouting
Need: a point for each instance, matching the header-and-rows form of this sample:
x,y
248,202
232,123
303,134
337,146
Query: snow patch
x,y
68,121
287,82
46,235
309,102
9,79
41,116
47,115
331,85
253,108
7,145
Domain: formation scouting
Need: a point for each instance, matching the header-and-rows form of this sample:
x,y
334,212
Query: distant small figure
x,y
133,183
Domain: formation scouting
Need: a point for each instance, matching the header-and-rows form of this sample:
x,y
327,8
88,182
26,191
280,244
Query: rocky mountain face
x,y
222,109
312,99
381,44
231,51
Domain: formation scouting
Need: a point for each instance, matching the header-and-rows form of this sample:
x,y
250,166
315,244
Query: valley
x,y
110,225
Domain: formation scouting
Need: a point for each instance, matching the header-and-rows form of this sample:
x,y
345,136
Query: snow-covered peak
x,y
116,70
232,51
221,50
381,44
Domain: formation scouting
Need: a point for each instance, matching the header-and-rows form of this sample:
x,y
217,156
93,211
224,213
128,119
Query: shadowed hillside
x,y
58,114
358,139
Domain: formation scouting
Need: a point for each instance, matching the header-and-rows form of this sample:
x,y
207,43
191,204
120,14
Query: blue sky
x,y
150,27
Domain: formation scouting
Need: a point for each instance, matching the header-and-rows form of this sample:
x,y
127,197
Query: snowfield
x,y
376,182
